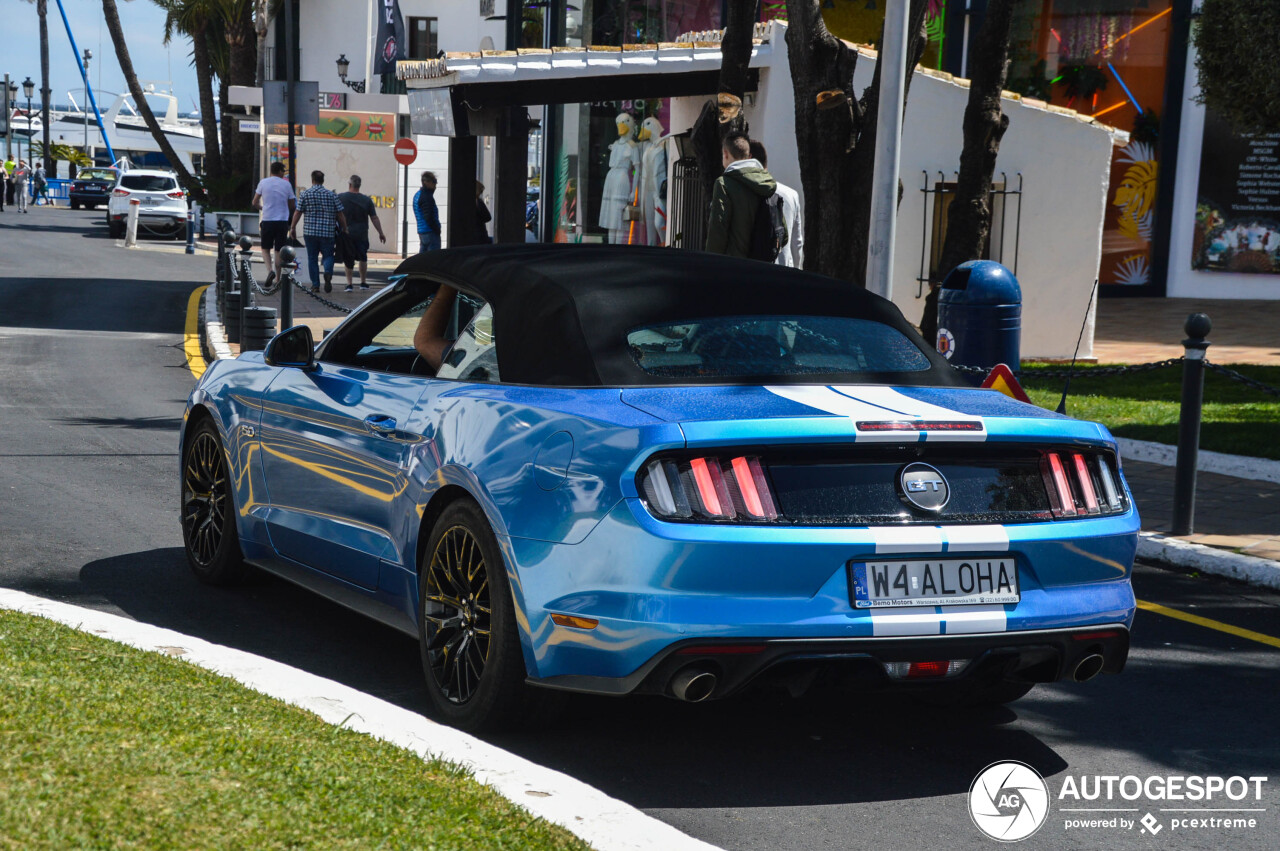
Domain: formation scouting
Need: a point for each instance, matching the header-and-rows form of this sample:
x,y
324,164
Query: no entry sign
x,y
406,152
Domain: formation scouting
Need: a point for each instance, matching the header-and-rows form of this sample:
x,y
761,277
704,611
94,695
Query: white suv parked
x,y
163,203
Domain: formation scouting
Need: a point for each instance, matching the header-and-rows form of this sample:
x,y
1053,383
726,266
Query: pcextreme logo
x,y
1009,801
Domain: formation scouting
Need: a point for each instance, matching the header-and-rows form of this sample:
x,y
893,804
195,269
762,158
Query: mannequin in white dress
x,y
653,171
624,162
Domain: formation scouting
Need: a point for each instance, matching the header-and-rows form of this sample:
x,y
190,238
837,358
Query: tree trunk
x,y
836,141
969,215
112,18
723,117
208,115
50,164
242,65
261,21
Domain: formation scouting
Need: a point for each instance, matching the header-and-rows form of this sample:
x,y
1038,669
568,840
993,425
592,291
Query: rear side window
x,y
474,356
741,347
148,182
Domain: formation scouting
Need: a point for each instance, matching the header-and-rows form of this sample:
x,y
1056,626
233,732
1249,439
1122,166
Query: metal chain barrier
x,y
1131,368
1243,379
332,305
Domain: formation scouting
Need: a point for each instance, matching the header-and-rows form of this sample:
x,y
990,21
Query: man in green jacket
x,y
736,198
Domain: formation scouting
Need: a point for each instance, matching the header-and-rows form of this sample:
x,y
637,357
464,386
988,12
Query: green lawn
x,y
1145,406
103,746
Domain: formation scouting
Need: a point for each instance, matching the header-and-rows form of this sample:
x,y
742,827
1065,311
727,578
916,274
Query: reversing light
x,y
925,670
708,488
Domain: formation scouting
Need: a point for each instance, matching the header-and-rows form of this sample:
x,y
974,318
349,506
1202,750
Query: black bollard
x,y
1184,482
231,319
259,328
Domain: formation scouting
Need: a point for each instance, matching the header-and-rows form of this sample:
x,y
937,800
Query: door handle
x,y
380,424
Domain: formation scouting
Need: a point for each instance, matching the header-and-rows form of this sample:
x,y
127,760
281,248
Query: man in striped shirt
x,y
324,215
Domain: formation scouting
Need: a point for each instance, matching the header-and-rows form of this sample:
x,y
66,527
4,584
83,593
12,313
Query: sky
x,y
143,24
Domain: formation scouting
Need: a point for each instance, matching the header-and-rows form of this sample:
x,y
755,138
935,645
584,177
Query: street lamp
x,y
344,65
28,89
13,96
88,54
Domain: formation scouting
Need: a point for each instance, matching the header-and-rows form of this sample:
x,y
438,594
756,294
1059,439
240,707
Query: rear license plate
x,y
935,582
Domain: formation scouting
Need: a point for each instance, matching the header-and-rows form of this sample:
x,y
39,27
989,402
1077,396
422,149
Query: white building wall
x,y
330,28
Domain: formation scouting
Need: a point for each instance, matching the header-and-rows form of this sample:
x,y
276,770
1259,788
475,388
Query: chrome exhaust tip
x,y
1088,668
693,684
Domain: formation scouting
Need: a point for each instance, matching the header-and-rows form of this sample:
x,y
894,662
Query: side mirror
x,y
292,347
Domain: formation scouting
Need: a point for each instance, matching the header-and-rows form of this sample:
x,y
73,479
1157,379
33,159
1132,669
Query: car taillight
x,y
1080,484
708,488
177,193
120,193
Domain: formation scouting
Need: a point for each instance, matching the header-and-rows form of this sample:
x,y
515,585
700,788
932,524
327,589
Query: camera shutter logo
x,y
1008,801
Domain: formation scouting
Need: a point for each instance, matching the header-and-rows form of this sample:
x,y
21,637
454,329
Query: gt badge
x,y
923,487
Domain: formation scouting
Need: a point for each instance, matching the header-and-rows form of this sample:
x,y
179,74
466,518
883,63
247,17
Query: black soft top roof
x,y
562,312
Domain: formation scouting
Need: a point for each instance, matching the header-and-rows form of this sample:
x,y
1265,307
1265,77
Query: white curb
x,y
604,822
1184,554
214,330
1240,466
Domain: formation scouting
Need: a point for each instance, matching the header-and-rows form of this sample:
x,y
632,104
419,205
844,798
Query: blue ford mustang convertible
x,y
653,471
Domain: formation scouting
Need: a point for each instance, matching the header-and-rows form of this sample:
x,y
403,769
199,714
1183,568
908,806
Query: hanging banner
x,y
1238,202
391,44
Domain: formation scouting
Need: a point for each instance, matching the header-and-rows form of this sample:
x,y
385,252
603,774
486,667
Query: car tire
x,y
209,534
467,633
115,229
75,205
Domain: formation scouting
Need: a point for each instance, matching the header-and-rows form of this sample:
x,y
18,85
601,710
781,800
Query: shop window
x,y
424,38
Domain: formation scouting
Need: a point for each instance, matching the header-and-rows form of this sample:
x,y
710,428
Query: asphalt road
x,y
92,383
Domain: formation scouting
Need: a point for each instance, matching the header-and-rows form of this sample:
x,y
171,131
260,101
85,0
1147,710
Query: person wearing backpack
x,y
743,206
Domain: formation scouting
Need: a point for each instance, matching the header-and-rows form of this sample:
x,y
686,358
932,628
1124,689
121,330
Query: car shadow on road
x,y
763,749
169,424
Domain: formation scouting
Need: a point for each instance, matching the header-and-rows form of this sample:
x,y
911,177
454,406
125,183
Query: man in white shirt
x,y
792,254
274,197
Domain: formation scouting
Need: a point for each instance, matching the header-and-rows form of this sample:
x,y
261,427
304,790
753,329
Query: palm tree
x,y
193,18
42,10
242,70
112,17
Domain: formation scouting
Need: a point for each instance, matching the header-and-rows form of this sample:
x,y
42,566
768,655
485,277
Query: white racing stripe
x,y
968,619
878,404
975,539
827,399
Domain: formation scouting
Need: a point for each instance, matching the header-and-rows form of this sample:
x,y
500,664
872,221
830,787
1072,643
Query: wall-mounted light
x,y
344,65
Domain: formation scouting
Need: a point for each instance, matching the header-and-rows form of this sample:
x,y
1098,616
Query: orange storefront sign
x,y
353,126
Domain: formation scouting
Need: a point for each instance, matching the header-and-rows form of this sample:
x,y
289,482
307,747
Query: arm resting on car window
x,y
429,339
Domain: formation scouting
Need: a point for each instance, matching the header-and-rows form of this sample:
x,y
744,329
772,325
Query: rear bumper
x,y
1038,656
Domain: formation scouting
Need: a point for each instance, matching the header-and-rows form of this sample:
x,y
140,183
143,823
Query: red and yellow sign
x,y
1001,378
352,126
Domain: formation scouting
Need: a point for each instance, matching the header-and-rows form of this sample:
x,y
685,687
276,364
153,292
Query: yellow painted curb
x,y
191,335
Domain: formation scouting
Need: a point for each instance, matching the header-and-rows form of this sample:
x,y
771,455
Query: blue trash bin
x,y
980,315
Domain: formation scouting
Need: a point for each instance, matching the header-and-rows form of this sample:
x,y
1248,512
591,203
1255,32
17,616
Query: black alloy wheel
x,y
208,516
467,631
457,614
